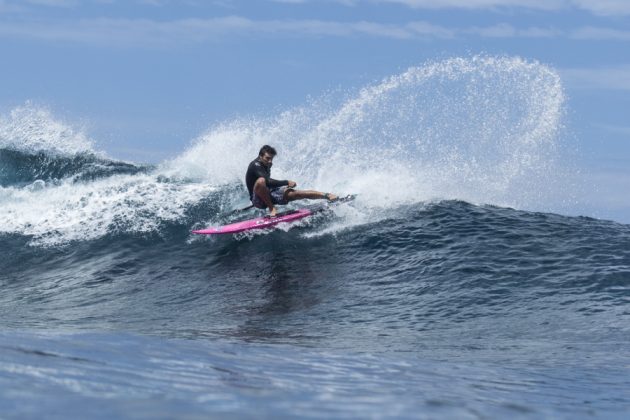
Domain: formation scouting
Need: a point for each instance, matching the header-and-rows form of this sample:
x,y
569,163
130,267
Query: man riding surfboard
x,y
266,192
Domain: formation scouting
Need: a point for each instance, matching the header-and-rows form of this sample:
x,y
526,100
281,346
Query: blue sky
x,y
148,76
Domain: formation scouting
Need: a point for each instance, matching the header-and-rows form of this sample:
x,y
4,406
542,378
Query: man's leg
x,y
261,190
292,195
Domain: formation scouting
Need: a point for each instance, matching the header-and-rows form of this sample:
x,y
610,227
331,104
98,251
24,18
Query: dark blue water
x,y
423,310
453,286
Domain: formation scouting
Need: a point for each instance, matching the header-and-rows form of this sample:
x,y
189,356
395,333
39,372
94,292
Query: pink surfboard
x,y
267,222
258,223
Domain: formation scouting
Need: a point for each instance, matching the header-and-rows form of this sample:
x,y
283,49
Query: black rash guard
x,y
256,170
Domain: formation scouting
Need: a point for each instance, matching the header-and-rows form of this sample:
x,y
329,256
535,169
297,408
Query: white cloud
x,y
597,7
504,30
153,33
594,33
53,3
501,30
478,4
609,8
614,78
604,7
617,129
128,32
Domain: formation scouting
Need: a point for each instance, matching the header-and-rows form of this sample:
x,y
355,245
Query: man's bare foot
x,y
272,213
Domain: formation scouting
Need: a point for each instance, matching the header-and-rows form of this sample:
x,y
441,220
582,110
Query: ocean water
x,y
461,283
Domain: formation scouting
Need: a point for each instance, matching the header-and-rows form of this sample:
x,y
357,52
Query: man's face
x,y
267,159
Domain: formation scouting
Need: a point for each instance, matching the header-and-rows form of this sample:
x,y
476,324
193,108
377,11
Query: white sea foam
x,y
481,129
33,129
476,129
60,211
58,214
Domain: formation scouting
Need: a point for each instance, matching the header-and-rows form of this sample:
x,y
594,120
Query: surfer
x,y
266,192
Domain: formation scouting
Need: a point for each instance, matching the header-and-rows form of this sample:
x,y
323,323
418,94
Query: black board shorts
x,y
277,197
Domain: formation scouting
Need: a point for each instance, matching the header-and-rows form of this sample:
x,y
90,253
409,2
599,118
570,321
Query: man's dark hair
x,y
267,149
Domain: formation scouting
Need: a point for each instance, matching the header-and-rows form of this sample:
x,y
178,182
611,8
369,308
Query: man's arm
x,y
260,172
274,183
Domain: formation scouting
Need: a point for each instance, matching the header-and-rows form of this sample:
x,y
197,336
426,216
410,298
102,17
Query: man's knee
x,y
260,183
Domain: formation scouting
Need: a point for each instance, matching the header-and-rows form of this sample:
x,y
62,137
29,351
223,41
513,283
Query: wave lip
x,y
36,146
55,187
18,168
31,129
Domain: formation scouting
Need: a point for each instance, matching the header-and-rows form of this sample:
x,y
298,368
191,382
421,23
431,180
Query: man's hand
x,y
292,184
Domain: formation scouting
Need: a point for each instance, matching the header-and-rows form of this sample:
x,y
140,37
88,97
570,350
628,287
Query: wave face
x,y
428,294
482,309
